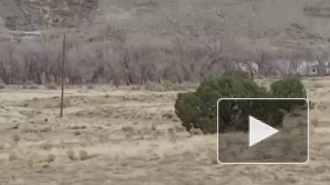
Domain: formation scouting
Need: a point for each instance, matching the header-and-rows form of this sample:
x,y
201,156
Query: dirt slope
x,y
254,18
35,15
283,19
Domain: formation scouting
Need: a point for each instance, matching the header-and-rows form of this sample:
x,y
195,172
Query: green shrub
x,y
187,108
199,109
288,87
237,74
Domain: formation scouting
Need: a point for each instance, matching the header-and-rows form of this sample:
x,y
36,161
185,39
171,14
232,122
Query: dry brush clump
x,y
137,59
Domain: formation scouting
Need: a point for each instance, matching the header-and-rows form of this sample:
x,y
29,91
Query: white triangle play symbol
x,y
259,131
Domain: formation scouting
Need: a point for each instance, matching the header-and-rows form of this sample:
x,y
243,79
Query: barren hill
x,y
40,14
280,19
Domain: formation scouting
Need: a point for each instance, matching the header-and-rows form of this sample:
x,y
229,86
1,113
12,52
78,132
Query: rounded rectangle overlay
x,y
289,146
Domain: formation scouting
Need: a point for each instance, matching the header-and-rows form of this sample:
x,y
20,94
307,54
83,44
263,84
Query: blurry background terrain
x,y
131,134
283,19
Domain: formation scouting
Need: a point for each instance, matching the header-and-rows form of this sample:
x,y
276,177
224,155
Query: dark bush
x,y
288,87
187,108
237,74
199,109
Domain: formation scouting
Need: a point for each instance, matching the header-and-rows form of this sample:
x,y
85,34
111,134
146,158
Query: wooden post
x,y
62,76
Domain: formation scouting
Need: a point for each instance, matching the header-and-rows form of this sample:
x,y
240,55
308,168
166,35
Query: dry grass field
x,y
131,135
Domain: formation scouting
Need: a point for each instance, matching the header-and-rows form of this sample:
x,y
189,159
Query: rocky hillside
x,y
31,15
274,19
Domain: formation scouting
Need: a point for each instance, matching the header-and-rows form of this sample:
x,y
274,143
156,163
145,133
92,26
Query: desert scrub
x,y
288,87
237,74
199,109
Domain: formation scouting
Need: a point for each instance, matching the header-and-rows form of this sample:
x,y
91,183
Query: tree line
x,y
140,59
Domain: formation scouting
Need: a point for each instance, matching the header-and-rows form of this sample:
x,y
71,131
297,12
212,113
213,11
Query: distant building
x,y
314,68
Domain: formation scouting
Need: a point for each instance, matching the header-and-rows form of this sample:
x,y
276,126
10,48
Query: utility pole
x,y
62,76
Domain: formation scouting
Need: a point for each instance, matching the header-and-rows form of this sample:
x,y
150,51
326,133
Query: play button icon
x,y
259,131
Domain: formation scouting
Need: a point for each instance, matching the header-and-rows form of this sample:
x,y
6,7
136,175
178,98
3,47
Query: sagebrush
x,y
289,87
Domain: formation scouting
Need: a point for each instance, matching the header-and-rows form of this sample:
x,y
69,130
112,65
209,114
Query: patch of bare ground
x,y
126,136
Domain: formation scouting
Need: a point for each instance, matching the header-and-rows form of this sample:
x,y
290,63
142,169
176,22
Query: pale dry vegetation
x,y
131,135
137,59
120,136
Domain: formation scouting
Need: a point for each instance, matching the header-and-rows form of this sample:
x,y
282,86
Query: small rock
x,y
51,158
15,126
77,133
83,155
